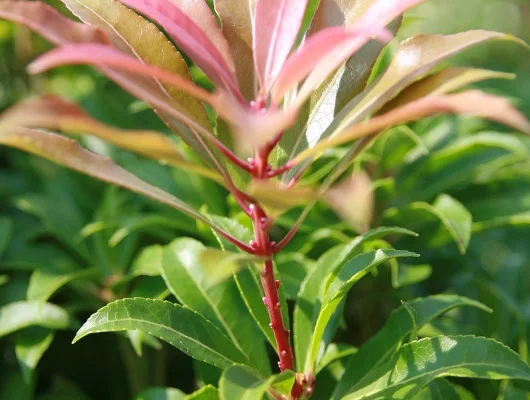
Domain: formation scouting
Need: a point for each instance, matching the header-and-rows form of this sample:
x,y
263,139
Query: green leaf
x,y
207,392
441,389
179,326
311,295
148,262
188,275
338,284
44,283
21,314
454,216
334,352
3,280
30,346
398,326
418,363
410,274
6,229
248,282
240,382
161,393
412,314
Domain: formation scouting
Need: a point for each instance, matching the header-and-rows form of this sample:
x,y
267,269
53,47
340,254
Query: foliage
x,y
327,113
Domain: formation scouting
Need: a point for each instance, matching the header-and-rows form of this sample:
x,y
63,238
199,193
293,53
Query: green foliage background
x,y
54,223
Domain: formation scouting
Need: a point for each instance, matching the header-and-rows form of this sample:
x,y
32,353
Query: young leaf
x,y
240,382
236,19
21,314
179,326
56,114
338,284
69,153
188,275
30,346
412,314
428,51
275,29
421,362
397,328
161,393
311,295
190,37
447,80
441,389
452,214
135,36
49,23
471,102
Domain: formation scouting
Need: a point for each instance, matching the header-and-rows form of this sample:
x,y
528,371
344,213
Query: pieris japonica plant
x,y
289,81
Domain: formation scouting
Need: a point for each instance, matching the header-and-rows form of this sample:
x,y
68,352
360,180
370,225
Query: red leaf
x,y
375,19
49,23
106,56
191,38
276,27
317,47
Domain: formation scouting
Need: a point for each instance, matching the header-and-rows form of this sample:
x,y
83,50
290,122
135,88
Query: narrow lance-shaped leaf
x,y
161,393
179,326
415,57
377,17
471,102
69,153
236,19
337,286
311,294
445,81
53,113
418,363
44,283
135,36
207,392
397,328
276,27
49,23
190,37
196,276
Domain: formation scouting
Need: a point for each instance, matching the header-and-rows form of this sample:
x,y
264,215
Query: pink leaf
x,y
317,47
201,14
375,19
49,23
191,38
106,56
276,27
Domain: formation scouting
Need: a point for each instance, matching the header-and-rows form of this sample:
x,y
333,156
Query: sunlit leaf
x,y
441,389
43,283
207,392
398,326
160,393
192,272
471,102
421,362
338,284
312,290
179,326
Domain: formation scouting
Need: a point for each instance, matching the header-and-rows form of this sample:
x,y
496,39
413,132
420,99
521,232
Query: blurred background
x,y
54,221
